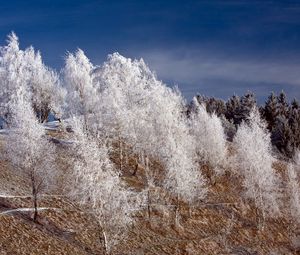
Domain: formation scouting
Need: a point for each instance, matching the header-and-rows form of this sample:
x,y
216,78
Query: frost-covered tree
x,y
229,128
12,74
294,187
183,178
81,93
254,161
97,185
25,69
209,137
29,150
149,117
47,95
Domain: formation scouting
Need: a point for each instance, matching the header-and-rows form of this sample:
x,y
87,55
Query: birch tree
x,y
148,115
24,68
81,93
47,94
294,186
96,185
12,74
209,137
254,160
28,149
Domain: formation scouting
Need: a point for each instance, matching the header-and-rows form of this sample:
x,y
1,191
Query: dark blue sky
x,y
215,48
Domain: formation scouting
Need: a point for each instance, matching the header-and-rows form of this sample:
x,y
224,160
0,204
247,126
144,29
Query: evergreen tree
x,y
232,107
294,123
295,104
213,105
269,111
282,104
282,136
247,102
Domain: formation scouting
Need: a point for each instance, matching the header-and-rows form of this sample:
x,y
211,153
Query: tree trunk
x,y
120,155
149,203
136,168
104,240
35,215
45,114
262,211
177,212
105,243
34,197
85,122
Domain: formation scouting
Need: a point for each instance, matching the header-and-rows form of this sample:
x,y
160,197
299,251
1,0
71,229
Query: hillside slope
x,y
222,224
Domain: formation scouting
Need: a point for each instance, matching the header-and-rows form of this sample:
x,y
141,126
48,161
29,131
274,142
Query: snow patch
x,y
29,210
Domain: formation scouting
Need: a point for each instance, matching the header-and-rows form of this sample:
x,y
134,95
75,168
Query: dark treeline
x,y
282,117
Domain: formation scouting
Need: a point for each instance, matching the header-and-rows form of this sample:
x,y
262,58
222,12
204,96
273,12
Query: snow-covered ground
x,y
53,125
29,210
4,131
3,195
49,126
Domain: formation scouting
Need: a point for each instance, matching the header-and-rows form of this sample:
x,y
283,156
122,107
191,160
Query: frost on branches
x,y
122,116
97,185
254,161
12,74
25,69
148,115
294,187
209,137
82,97
47,95
28,148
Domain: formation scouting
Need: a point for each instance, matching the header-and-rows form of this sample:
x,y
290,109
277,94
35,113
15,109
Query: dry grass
x,y
222,224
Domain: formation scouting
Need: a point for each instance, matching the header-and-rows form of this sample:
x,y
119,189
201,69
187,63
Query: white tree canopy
x,y
293,186
96,184
254,160
149,116
25,69
82,95
209,137
27,146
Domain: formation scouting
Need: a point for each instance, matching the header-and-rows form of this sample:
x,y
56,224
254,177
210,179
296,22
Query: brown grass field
x,y
222,224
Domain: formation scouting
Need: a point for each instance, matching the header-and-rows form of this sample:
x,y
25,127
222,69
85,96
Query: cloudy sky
x,y
212,47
